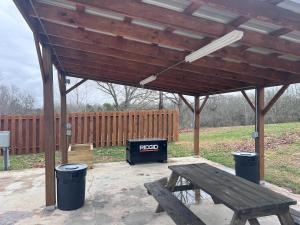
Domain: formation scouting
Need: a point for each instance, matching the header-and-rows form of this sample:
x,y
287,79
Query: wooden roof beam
x,y
96,49
203,103
214,29
274,99
182,77
170,78
248,100
233,67
158,52
75,86
119,28
209,72
186,102
263,10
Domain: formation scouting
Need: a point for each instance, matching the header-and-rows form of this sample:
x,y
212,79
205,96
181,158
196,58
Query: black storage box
x,y
246,166
70,186
146,150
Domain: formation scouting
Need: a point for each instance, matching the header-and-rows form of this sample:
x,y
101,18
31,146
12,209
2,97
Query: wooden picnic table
x,y
248,200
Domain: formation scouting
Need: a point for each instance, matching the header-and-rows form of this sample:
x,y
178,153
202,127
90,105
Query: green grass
x,y
282,161
239,133
19,162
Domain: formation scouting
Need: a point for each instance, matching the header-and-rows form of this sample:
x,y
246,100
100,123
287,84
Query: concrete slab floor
x,y
115,195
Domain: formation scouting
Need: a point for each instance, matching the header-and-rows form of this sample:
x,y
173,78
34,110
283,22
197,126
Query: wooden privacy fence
x,y
100,128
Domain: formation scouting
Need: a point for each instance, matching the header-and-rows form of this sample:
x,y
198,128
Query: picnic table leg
x,y
238,220
286,218
170,185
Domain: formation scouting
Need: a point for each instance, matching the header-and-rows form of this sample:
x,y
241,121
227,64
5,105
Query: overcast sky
x,y
18,59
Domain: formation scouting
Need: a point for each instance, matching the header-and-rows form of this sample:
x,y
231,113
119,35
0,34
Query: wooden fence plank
x,y
130,132
109,125
97,127
120,128
34,134
114,129
103,130
150,127
125,125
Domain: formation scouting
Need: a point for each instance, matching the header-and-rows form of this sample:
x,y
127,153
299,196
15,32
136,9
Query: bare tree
x,y
14,101
125,97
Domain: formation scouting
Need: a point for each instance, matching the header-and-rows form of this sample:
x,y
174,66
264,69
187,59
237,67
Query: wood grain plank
x,y
179,213
238,194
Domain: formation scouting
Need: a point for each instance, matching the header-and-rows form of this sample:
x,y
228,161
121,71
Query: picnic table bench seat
x,y
179,213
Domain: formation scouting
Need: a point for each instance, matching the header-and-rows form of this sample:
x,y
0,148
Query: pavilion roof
x,y
125,41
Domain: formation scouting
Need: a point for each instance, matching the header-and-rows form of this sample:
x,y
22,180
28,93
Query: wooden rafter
x,y
155,51
176,19
82,43
133,77
186,102
248,100
124,55
264,10
207,63
274,99
142,69
233,67
75,86
203,103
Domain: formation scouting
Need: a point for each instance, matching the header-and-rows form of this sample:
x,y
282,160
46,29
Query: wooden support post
x,y
63,118
259,128
49,142
196,126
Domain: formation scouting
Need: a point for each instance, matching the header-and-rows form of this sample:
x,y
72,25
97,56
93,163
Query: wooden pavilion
x,y
126,41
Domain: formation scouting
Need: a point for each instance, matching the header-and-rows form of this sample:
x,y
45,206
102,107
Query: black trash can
x,y
246,166
70,186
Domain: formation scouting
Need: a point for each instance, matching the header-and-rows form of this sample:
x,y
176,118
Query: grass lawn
x,y
216,144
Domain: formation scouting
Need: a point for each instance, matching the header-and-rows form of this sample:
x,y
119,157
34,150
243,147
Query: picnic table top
x,y
238,194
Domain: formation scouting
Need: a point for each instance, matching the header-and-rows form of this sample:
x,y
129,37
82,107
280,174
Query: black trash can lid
x,y
246,154
71,167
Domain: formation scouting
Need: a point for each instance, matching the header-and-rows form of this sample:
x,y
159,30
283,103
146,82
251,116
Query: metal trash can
x,y
247,166
70,186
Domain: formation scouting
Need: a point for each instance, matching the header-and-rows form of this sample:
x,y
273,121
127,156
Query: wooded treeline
x,y
220,110
233,109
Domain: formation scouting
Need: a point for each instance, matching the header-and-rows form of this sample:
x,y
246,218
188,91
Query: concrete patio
x,y
114,195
